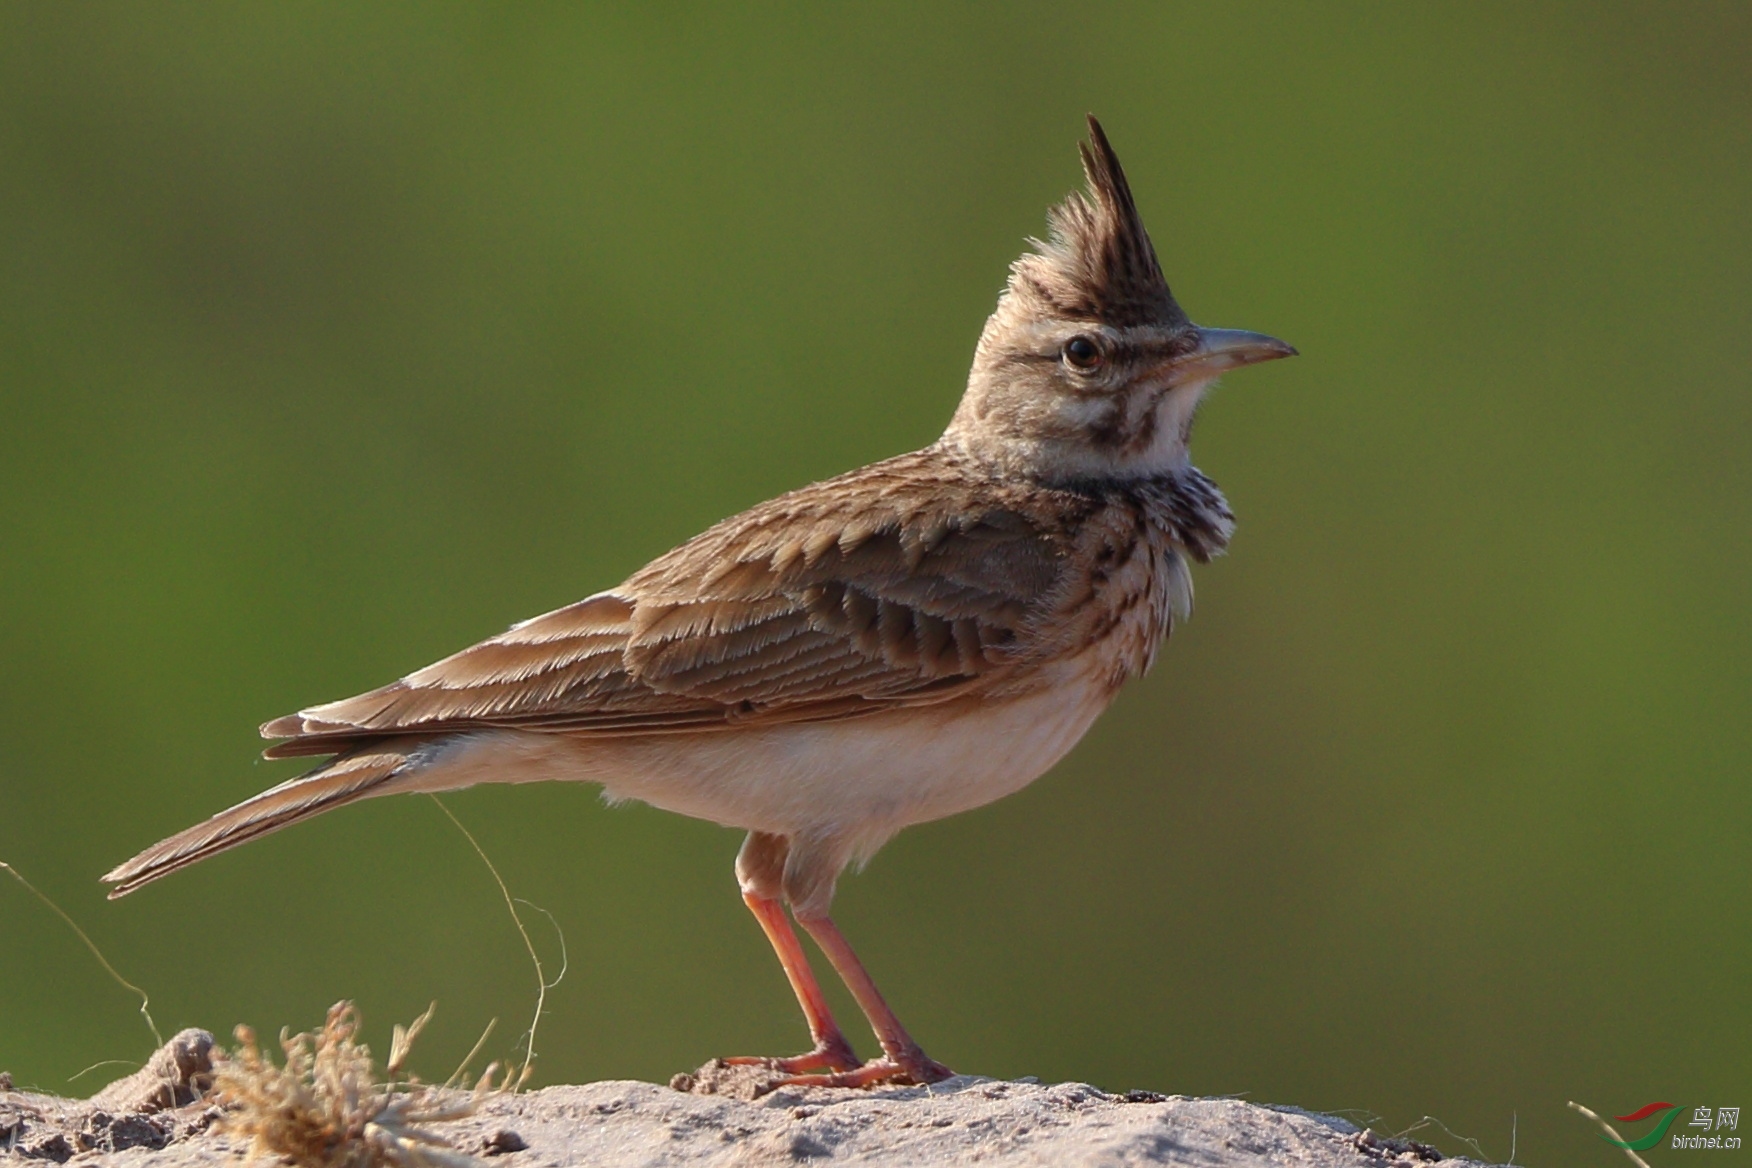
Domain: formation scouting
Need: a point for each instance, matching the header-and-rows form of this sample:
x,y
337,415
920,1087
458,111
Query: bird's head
x,y
1089,368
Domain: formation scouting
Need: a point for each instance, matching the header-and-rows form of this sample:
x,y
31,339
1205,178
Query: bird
x,y
909,640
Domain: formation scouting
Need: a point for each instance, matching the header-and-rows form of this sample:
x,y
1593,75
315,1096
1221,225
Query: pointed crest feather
x,y
1098,262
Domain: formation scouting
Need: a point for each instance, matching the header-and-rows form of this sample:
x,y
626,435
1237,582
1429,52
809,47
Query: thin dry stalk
x,y
145,1002
543,985
1612,1132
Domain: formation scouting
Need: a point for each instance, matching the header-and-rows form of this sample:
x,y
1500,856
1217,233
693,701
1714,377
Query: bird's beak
x,y
1220,350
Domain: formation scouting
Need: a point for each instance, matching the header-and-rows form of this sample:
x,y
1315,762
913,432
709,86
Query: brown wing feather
x,y
904,582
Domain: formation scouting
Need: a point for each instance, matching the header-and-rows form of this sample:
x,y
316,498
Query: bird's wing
x,y
895,585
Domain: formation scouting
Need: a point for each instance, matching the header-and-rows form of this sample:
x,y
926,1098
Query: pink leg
x,y
904,1060
832,1052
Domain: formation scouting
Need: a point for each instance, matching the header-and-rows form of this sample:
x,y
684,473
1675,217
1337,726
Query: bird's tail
x,y
362,771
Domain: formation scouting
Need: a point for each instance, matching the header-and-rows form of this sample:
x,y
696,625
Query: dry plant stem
x,y
1432,1121
1610,1131
457,1076
543,984
402,1042
80,1074
157,1039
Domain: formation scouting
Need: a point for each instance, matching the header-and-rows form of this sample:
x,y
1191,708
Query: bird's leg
x,y
832,1051
759,867
903,1058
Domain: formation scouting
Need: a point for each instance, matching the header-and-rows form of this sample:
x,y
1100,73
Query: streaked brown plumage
x,y
902,642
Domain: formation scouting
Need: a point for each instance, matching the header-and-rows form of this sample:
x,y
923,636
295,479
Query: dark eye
x,y
1082,353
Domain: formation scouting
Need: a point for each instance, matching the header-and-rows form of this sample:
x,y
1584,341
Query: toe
x,y
908,1071
829,1056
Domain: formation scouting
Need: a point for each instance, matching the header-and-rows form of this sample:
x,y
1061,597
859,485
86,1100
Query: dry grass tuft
x,y
324,1107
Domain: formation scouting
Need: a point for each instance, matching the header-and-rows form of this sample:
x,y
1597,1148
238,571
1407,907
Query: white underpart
x,y
1167,452
1177,585
859,780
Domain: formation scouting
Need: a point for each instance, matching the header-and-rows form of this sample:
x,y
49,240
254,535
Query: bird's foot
x,y
910,1069
835,1054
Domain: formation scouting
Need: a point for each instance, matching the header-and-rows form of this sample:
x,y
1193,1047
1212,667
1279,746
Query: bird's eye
x,y
1082,354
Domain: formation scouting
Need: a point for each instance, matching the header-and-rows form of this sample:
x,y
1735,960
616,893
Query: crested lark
x,y
903,642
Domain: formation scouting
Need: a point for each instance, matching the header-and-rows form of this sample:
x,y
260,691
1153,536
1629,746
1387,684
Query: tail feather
x,y
354,775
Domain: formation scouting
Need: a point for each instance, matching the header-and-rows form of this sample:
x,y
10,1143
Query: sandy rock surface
x,y
155,1119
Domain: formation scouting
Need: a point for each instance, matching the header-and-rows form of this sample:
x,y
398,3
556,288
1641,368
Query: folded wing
x,y
890,586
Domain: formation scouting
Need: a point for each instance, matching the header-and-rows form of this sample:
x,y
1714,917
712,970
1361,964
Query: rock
x,y
954,1122
731,1117
502,1142
966,1119
178,1073
158,1104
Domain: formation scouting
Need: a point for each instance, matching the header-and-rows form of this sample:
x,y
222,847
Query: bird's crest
x,y
1097,262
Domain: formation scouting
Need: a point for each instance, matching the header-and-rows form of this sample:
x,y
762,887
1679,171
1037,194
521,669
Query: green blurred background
x,y
335,337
